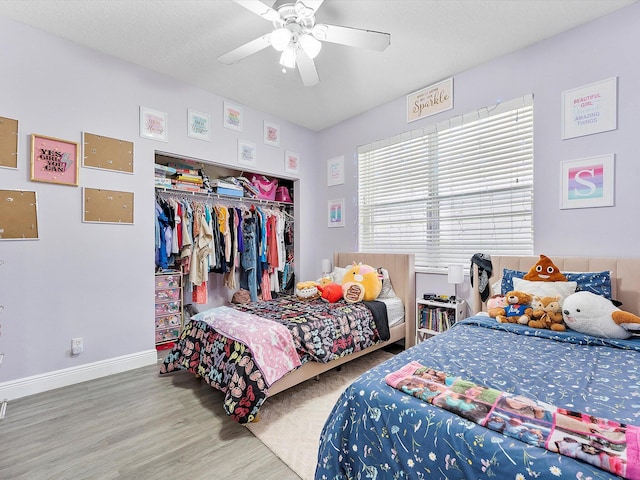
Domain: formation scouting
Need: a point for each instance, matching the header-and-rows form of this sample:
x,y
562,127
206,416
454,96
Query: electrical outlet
x,y
76,346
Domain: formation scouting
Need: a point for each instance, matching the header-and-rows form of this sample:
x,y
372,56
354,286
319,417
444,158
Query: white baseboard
x,y
70,376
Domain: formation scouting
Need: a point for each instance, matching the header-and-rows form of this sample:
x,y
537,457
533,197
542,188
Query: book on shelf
x,y
248,186
188,178
218,183
163,182
436,318
180,168
164,169
188,188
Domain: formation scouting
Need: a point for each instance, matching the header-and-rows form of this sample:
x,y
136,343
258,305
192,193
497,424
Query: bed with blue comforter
x,y
378,432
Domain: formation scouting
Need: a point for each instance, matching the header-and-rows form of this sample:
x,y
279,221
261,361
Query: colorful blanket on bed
x,y
324,331
611,446
320,332
270,343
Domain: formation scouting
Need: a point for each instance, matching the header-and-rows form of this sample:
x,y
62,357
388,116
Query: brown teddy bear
x,y
547,313
518,308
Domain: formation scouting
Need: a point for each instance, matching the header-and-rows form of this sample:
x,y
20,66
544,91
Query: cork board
x,y
18,215
107,206
107,153
8,142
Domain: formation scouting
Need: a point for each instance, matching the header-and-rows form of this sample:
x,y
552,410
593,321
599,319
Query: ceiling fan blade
x,y
259,8
353,37
245,50
307,69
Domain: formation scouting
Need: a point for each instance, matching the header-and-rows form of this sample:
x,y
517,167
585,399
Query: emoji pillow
x,y
545,271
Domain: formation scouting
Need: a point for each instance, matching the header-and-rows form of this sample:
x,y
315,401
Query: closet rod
x,y
185,193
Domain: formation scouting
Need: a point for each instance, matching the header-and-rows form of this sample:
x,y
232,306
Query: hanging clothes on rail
x,y
245,243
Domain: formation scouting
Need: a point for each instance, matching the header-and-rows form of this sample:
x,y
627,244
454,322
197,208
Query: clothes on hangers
x,y
205,236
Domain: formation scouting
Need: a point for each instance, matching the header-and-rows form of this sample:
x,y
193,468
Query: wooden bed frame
x,y
625,271
401,269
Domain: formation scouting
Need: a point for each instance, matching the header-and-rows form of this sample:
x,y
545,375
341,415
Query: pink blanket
x,y
271,343
609,445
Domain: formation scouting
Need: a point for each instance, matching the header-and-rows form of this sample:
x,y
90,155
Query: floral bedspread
x,y
320,331
378,432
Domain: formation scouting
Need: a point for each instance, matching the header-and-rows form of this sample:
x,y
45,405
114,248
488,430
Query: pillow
x,y
387,289
338,274
594,282
507,279
545,289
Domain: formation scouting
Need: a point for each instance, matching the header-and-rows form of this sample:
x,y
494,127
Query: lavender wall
x,y
596,51
96,281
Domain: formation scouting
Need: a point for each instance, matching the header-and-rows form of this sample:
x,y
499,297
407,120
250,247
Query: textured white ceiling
x,y
430,40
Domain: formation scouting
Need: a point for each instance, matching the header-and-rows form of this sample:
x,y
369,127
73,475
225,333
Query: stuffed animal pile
x,y
534,310
516,310
582,311
547,313
360,282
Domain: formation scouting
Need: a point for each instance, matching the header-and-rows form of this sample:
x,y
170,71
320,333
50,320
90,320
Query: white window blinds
x,y
453,189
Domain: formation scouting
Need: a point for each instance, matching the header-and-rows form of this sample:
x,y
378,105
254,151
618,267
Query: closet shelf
x,y
186,193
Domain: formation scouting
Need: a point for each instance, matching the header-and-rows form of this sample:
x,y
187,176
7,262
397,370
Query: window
x,y
453,189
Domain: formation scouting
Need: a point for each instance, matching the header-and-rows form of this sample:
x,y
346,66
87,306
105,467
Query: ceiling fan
x,y
297,35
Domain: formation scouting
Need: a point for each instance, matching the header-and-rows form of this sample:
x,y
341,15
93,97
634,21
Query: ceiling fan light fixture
x,y
319,31
280,38
288,57
310,45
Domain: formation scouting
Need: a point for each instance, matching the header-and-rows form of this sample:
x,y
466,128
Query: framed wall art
x,y
430,100
107,206
18,215
54,160
335,171
271,134
336,213
154,124
107,153
590,109
232,116
588,182
8,143
199,125
246,153
291,162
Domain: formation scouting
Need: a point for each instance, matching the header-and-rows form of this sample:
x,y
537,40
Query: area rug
x,y
291,422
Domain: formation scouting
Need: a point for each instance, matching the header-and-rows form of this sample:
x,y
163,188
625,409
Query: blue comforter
x,y
377,432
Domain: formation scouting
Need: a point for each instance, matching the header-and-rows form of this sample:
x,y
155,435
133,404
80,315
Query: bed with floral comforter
x,y
378,432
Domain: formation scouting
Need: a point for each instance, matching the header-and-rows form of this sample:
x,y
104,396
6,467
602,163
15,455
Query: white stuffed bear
x,y
586,312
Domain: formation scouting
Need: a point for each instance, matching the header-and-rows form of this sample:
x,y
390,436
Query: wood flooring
x,y
133,425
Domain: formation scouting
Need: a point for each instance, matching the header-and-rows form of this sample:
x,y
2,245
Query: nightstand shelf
x,y
433,317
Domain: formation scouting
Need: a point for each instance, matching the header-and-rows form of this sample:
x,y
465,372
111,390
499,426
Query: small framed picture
x,y
199,125
54,160
588,182
232,116
154,124
246,153
590,109
271,134
291,162
336,213
335,171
